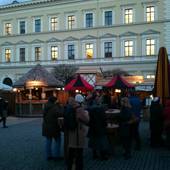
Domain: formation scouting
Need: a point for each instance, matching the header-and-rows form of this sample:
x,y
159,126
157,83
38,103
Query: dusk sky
x,y
4,2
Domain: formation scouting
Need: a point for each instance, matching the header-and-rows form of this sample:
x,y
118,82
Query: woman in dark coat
x,y
51,127
156,123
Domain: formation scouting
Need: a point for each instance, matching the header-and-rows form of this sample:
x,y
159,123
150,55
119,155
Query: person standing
x,y
156,123
77,136
125,121
136,105
3,111
51,128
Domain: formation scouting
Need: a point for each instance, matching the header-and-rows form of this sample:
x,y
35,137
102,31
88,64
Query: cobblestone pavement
x,y
22,148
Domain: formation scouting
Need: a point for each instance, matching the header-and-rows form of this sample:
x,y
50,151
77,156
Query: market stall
x,y
33,90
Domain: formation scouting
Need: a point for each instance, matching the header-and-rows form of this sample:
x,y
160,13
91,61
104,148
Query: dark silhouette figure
x,y
3,111
156,123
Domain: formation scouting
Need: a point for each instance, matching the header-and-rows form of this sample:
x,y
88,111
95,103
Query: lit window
x,y
54,52
89,20
89,50
71,52
71,22
128,16
108,18
54,23
128,48
22,27
37,53
150,47
22,54
108,49
7,55
8,28
150,13
37,25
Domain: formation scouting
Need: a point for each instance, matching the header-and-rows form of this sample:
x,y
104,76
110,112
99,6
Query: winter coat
x,y
50,126
167,113
156,116
76,138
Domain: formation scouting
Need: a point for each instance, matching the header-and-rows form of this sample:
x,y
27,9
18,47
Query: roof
x,y
38,73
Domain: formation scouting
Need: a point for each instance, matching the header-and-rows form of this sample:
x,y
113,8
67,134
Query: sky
x,y
4,2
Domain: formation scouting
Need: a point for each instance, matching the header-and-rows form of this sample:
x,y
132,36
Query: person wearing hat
x,y
156,123
77,136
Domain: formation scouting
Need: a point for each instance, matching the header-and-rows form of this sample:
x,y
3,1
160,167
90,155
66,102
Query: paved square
x,y
22,148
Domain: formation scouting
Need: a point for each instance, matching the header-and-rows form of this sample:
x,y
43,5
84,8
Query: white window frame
x,y
156,13
87,12
113,16
33,52
58,25
3,54
18,52
41,28
84,42
19,27
113,40
75,43
7,22
66,18
133,16
130,38
144,38
51,44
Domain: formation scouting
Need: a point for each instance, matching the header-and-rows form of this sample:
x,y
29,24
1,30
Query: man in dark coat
x,y
156,123
3,111
51,127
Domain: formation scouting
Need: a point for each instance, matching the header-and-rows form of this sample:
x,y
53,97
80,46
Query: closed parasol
x,y
161,85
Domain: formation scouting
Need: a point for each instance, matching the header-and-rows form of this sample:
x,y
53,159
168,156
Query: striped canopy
x,y
162,83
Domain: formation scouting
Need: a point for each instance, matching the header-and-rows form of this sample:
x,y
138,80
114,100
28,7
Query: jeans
x,y
57,146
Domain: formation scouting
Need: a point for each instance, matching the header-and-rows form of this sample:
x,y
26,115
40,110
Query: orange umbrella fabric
x,y
161,85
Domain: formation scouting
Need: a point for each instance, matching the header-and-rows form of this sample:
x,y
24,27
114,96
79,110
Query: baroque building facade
x,y
92,34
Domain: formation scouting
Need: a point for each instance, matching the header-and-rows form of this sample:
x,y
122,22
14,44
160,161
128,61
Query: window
x,y
71,21
22,27
89,20
108,49
128,16
150,47
54,23
150,13
37,25
108,18
128,48
37,53
7,55
71,52
8,28
54,52
89,50
22,54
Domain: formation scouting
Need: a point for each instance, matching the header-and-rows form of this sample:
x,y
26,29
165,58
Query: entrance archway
x,y
8,81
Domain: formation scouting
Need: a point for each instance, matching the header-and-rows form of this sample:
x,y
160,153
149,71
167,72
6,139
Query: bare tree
x,y
64,72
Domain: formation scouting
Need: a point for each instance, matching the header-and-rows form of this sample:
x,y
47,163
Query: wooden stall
x,y
33,89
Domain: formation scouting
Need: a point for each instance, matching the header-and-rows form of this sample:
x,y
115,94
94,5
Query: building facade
x,y
92,34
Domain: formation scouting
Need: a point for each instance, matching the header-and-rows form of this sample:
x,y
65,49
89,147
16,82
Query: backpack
x,y
70,120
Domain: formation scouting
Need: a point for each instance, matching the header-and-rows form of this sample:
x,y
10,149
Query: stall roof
x,y
38,73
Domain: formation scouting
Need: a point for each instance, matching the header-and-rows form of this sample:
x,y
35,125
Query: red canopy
x,y
79,83
118,82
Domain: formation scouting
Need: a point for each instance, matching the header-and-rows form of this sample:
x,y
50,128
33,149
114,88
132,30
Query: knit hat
x,y
79,98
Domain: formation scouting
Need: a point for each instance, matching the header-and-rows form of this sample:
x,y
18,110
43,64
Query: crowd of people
x,y
84,117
